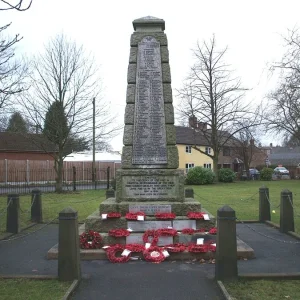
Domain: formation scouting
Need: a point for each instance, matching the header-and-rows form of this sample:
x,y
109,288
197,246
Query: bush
x,y
199,175
266,174
226,175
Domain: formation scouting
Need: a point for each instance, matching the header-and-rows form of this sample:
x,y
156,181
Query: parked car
x,y
254,173
281,171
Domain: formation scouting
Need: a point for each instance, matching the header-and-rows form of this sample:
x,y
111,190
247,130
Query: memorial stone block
x,y
137,226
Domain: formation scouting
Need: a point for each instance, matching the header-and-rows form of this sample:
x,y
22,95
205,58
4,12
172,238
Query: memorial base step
x,y
96,223
244,251
178,208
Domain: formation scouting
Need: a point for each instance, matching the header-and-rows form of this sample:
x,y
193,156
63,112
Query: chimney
x,y
193,122
202,125
271,145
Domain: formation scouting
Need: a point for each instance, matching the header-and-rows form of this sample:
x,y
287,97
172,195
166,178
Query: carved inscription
x,y
149,136
150,209
181,224
150,186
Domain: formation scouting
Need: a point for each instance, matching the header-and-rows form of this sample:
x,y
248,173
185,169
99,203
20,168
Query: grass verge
x,y
243,197
20,289
85,202
263,289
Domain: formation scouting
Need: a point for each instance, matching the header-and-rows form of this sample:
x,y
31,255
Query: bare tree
x,y
63,83
283,110
12,71
19,5
245,144
212,95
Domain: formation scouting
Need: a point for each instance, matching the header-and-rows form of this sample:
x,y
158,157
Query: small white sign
x,y
90,242
166,253
105,247
104,216
214,245
129,229
170,227
147,245
206,217
140,218
134,258
200,241
126,252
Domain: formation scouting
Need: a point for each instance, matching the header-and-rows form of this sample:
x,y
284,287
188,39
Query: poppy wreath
x,y
154,254
188,231
195,215
197,248
119,232
165,216
113,250
166,232
175,248
90,240
213,230
137,248
133,216
114,215
150,233
211,248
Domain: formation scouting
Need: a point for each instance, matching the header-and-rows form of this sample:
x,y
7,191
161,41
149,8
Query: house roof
x,y
88,156
189,136
19,142
285,155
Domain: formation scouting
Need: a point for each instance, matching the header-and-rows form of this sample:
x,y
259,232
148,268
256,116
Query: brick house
x,y
16,146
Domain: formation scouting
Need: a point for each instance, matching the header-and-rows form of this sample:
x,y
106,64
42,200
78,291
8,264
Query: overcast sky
x,y
252,30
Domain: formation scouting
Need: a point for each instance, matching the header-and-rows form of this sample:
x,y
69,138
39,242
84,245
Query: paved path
x,y
141,280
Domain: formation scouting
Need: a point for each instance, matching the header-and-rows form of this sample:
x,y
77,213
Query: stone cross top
x,y
149,156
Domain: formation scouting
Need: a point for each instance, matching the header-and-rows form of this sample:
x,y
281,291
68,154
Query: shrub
x,y
266,174
226,175
199,175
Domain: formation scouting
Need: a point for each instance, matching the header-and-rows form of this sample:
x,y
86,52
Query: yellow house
x,y
186,137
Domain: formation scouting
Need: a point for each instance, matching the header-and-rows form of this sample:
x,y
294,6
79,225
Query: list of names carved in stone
x,y
149,136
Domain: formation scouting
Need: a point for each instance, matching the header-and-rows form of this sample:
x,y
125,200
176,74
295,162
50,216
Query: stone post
x,y
36,206
107,178
226,253
286,212
189,193
264,204
13,213
110,194
74,178
68,246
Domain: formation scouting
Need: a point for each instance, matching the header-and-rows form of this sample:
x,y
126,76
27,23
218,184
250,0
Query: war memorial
x,y
150,208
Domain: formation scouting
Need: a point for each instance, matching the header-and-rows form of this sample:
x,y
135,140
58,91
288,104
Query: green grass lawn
x,y
264,289
243,197
20,289
85,202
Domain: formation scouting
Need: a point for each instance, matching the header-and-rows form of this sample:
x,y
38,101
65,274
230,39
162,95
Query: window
x,y
188,149
207,166
207,150
226,151
188,166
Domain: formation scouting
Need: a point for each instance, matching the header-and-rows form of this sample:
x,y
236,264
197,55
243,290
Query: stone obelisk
x,y
150,156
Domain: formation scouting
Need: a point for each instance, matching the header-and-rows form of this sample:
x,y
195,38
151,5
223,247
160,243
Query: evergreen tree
x,y
56,124
17,123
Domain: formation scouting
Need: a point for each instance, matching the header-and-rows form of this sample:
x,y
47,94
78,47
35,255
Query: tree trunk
x,y
215,167
59,175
